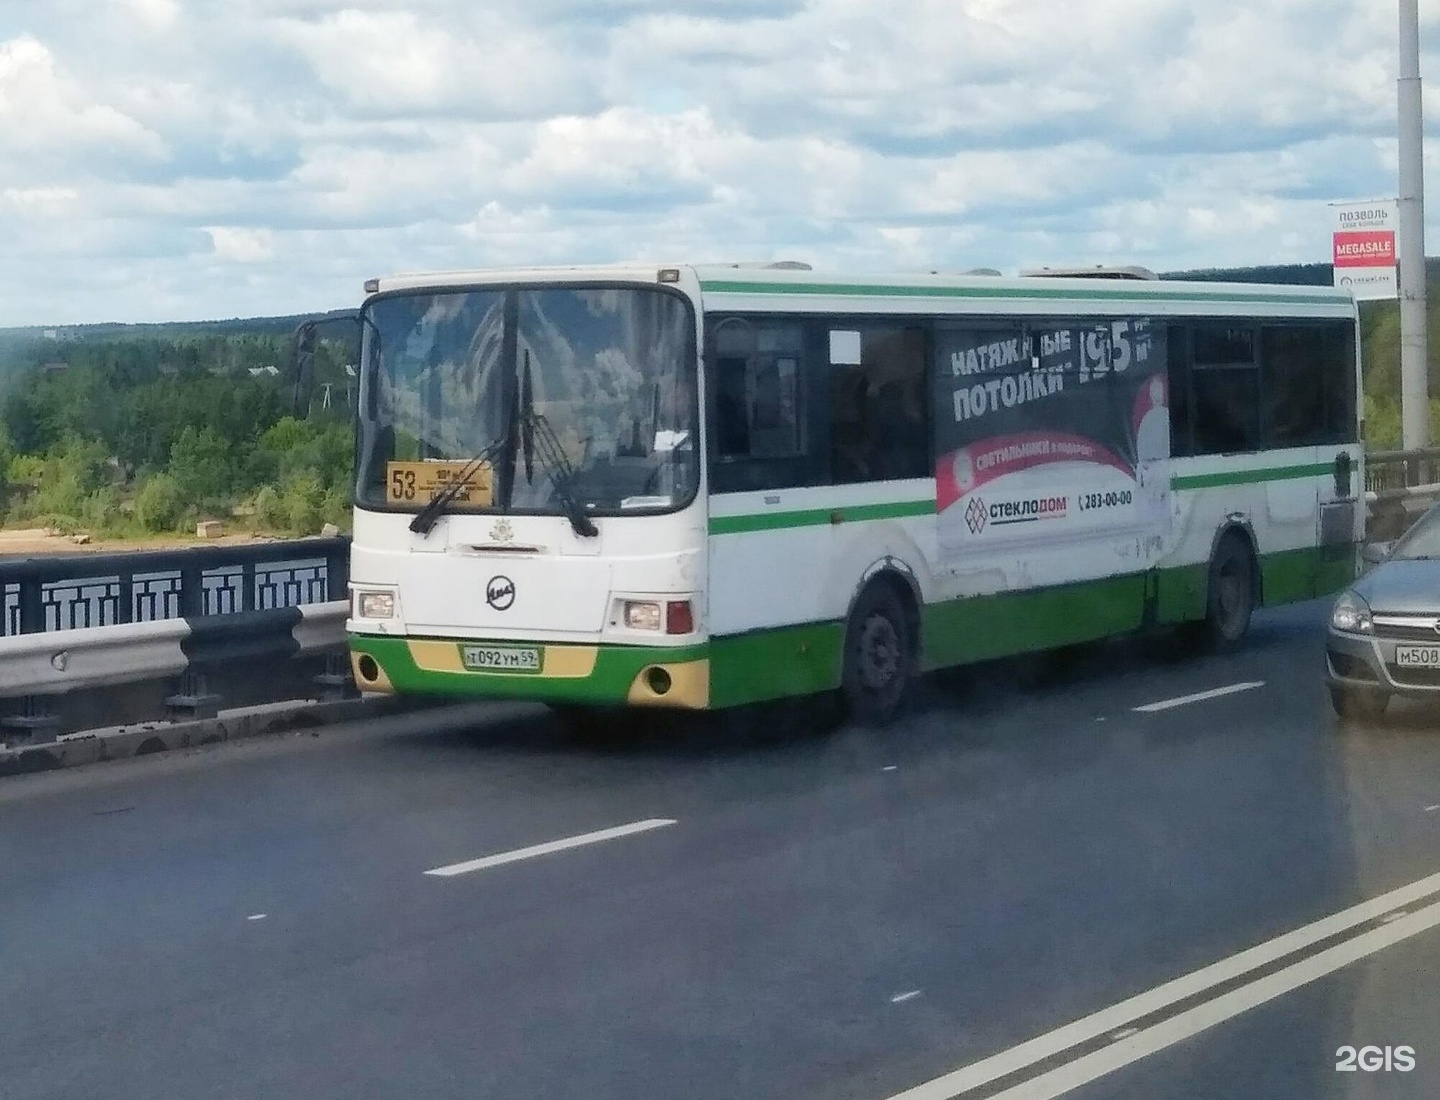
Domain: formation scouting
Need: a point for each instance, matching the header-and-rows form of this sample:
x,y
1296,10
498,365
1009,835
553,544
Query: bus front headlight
x,y
642,614
374,605
1351,614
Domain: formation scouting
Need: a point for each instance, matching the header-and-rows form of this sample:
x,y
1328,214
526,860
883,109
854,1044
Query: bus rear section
x,y
528,518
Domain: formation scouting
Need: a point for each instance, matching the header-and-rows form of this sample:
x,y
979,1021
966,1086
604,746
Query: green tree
x,y
159,505
201,464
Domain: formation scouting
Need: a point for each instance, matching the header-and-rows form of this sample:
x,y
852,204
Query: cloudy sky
x,y
193,159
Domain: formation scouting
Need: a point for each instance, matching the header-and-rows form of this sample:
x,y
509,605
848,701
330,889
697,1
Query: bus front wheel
x,y
879,657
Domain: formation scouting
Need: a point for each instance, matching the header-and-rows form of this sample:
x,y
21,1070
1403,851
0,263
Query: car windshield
x,y
607,374
1421,541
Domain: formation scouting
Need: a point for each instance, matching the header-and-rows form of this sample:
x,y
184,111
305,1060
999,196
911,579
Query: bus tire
x,y
1229,592
879,657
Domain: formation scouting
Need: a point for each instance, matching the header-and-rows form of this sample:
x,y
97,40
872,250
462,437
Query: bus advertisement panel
x,y
1047,431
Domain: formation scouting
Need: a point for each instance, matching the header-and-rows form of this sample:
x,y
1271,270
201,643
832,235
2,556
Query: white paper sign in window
x,y
844,348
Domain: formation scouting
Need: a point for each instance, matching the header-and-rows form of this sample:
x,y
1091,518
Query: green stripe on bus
x,y
814,517
1251,477
807,657
1130,293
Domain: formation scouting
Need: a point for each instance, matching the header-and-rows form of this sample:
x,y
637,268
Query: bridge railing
x,y
1393,474
183,632
1399,485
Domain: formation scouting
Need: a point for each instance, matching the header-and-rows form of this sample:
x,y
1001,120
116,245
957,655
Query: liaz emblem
x,y
500,593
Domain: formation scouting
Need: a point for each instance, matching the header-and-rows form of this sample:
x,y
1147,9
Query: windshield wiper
x,y
536,434
562,474
425,518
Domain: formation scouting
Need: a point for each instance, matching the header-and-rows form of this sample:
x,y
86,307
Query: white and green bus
x,y
706,486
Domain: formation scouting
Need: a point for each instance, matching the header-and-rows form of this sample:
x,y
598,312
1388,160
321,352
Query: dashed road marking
x,y
1200,697
484,862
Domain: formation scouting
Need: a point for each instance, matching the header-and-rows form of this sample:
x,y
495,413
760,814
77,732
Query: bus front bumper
x,y
614,675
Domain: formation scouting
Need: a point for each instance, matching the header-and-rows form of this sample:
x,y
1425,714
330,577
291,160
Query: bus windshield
x,y
605,375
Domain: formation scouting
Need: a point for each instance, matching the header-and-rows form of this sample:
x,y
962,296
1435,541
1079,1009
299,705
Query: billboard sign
x,y
1363,248
1044,431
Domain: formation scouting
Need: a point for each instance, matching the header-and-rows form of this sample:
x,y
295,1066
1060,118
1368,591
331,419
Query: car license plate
x,y
494,658
1417,656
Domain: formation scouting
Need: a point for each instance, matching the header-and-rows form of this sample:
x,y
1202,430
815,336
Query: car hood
x,y
1403,587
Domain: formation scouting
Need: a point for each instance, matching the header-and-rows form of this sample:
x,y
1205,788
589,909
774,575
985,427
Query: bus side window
x,y
1178,348
1309,376
732,424
757,382
877,405
1294,385
1225,381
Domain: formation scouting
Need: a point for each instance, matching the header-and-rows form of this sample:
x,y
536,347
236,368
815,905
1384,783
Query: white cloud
x,y
397,62
157,15
46,113
218,157
242,246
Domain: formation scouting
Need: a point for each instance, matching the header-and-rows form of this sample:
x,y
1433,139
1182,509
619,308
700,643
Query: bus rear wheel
x,y
879,657
1230,592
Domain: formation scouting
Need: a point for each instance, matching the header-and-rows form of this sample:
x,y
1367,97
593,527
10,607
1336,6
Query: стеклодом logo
x,y
975,515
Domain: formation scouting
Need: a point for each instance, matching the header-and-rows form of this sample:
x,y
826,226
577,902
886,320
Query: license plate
x,y
1417,656
494,658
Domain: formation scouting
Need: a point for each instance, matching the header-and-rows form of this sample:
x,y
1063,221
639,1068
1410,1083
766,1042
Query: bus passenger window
x,y
877,405
1309,386
1227,413
1225,383
731,423
756,368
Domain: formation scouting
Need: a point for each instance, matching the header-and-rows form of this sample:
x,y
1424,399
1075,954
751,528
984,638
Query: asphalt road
x,y
792,913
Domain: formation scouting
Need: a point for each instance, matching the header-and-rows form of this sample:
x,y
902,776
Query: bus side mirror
x,y
1344,467
302,369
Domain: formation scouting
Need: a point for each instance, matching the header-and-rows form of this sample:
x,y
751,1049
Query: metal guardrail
x,y
1389,473
1399,484
107,639
72,591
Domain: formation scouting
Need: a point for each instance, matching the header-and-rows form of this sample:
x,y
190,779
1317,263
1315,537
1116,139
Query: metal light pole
x,y
1414,350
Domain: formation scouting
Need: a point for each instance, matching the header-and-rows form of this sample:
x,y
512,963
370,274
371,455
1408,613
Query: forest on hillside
x,y
126,431
123,435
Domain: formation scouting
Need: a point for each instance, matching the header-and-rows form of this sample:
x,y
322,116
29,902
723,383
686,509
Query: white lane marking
x,y
1200,696
1083,1070
550,846
1431,809
901,998
890,768
1124,1033
1154,1000
258,916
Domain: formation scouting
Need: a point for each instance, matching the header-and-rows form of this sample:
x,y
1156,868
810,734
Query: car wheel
x,y
1358,704
879,658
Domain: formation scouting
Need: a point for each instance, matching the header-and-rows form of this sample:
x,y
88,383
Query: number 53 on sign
x,y
416,482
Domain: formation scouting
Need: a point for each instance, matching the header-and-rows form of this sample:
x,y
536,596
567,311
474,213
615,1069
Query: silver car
x,y
1384,637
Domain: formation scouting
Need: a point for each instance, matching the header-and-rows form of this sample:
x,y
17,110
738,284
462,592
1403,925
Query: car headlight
x,y
375,605
1352,615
